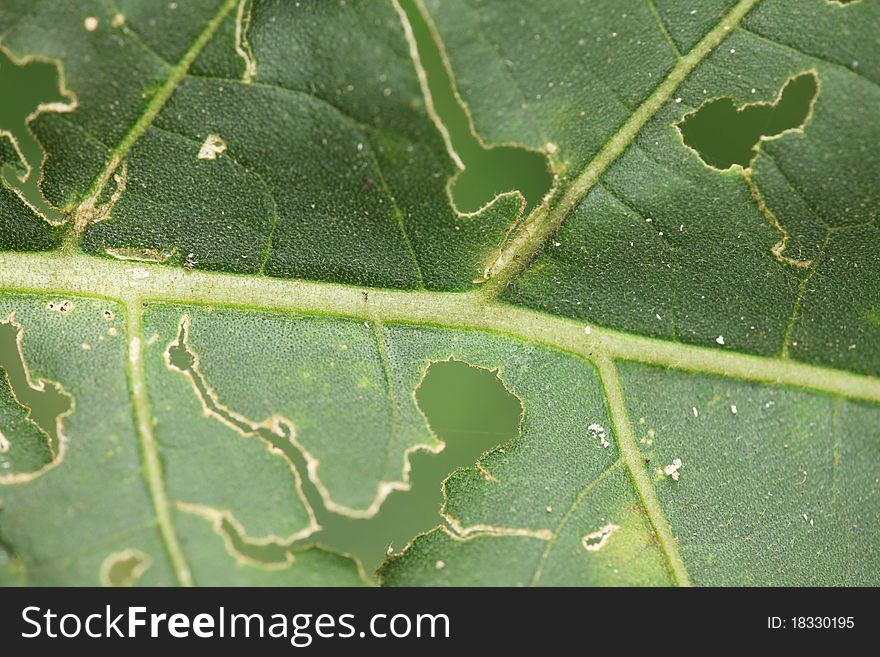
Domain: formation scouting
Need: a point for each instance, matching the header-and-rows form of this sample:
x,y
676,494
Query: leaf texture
x,y
251,256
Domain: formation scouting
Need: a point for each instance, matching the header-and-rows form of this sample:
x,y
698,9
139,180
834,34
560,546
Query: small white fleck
x,y
732,51
91,23
678,100
720,339
696,412
673,468
86,346
657,315
557,243
360,147
597,432
440,565
549,509
733,409
587,330
118,20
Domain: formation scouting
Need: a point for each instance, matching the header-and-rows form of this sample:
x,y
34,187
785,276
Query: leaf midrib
x,y
124,282
136,286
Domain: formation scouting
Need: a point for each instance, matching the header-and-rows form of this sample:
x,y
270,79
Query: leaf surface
x,y
251,257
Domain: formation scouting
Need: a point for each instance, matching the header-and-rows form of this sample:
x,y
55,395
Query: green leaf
x,y
249,259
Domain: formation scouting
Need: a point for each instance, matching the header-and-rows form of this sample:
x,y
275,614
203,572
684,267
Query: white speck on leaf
x,y
733,409
597,432
720,339
673,468
91,23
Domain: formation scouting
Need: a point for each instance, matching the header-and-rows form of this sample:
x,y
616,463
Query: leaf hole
x,y
29,412
28,87
467,407
488,170
724,134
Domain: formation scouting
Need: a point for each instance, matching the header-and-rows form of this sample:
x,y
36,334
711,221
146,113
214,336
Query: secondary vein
x,y
149,447
176,75
545,221
629,450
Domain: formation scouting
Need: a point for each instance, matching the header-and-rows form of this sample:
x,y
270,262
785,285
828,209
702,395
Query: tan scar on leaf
x,y
211,147
91,212
137,254
595,541
242,45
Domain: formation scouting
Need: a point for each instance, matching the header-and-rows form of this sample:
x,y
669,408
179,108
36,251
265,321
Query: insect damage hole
x,y
596,540
212,147
64,307
484,171
725,135
124,568
30,410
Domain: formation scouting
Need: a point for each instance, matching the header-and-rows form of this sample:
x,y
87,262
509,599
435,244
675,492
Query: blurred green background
x,y
467,407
